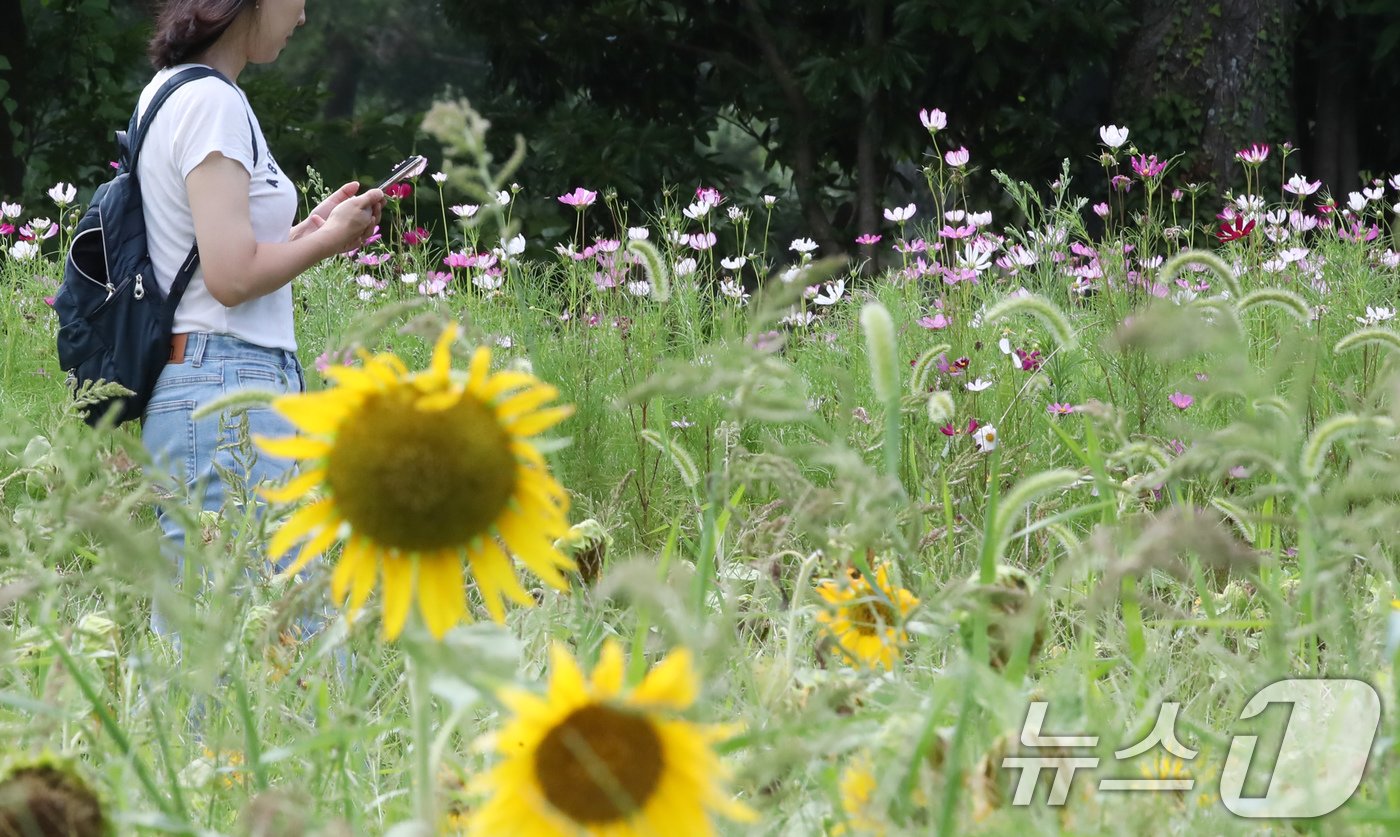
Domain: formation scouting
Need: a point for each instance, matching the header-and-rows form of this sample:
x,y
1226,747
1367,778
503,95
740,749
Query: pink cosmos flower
x,y
1301,186
7,229
1101,210
417,235
1181,400
868,239
1057,409
933,120
937,322
1148,166
579,198
460,260
1253,155
958,157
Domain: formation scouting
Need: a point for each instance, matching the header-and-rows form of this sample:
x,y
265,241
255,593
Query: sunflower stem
x,y
420,705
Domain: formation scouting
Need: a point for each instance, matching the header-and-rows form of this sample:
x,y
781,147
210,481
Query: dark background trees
x,y
813,100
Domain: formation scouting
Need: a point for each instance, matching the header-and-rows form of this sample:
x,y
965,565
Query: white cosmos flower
x,y
733,290
641,288
488,282
985,437
831,293
1375,316
900,214
439,177
23,251
697,210
802,245
1113,136
638,233
979,219
1356,201
685,267
63,193
735,213
503,198
10,210
978,385
465,210
1005,345
516,245
769,200
733,262
801,319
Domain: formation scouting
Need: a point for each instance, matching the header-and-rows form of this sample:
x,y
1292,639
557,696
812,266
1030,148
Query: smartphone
x,y
412,167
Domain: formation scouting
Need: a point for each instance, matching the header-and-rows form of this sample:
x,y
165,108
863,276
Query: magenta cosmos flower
x,y
1181,400
1058,409
579,198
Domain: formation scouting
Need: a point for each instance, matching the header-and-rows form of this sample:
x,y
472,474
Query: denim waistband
x,y
201,346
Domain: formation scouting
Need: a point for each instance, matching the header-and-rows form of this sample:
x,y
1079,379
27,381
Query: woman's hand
x,y
350,220
323,210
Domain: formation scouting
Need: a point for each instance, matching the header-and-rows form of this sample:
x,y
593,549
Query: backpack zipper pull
x,y
140,292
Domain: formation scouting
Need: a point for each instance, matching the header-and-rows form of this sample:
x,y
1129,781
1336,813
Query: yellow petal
x,y
293,447
313,547
503,382
566,681
362,579
398,594
526,401
527,452
607,674
356,378
534,549
356,563
441,368
672,683
295,488
480,367
318,413
495,578
441,592
299,524
540,420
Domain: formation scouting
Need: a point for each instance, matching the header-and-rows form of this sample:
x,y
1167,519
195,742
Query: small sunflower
x,y
592,758
866,621
423,468
857,786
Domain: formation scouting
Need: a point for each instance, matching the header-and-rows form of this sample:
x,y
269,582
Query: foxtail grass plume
x,y
878,326
592,756
422,470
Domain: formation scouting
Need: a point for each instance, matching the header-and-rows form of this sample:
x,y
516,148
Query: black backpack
x,y
114,321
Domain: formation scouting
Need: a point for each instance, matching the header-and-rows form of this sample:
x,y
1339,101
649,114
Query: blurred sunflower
x,y
857,787
866,621
423,468
592,758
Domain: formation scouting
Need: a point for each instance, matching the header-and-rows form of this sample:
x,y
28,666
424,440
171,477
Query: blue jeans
x,y
196,455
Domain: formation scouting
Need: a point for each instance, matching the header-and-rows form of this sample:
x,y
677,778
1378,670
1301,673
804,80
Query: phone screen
x,y
412,167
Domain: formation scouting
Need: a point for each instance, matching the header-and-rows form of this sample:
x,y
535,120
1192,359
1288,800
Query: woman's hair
x,y
185,28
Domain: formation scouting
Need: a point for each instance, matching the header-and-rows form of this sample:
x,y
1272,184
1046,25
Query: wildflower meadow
x,y
666,526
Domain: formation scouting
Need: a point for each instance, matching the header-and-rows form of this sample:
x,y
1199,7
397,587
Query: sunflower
x,y
857,787
592,758
422,469
866,621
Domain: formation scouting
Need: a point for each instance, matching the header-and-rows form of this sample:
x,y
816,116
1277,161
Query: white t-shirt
x,y
198,119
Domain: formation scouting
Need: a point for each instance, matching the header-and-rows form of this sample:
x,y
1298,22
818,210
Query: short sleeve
x,y
210,115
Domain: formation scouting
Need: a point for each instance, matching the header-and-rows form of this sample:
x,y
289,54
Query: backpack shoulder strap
x,y
137,130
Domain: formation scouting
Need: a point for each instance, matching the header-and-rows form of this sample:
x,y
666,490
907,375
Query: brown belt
x,y
177,347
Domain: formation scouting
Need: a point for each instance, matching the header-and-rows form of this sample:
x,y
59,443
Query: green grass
x,y
1153,575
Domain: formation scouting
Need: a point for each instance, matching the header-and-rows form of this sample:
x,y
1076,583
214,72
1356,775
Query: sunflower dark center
x,y
599,764
420,480
870,616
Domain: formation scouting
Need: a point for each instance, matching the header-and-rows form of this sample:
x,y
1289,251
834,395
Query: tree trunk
x,y
1220,67
344,84
869,181
804,157
12,46
1332,150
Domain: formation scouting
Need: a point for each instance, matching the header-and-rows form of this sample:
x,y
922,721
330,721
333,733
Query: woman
x,y
207,176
